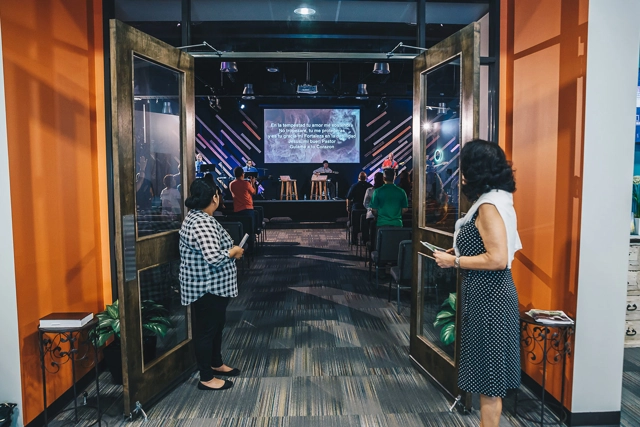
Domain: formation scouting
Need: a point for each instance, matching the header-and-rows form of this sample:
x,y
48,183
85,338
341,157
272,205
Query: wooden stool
x,y
318,187
288,189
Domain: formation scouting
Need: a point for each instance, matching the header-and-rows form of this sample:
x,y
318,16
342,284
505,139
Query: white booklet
x,y
244,240
550,317
433,248
65,320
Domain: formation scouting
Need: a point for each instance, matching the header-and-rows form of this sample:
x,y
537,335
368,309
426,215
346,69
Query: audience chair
x,y
263,222
402,273
247,226
236,231
356,214
387,246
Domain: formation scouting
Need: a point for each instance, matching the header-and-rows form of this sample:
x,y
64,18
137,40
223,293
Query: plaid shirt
x,y
205,266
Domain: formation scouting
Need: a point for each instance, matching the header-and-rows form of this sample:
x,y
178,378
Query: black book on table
x,y
66,320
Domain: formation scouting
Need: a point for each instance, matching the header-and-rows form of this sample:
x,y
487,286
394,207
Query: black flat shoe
x,y
232,373
227,384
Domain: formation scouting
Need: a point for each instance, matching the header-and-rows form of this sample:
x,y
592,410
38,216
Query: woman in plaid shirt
x,y
208,279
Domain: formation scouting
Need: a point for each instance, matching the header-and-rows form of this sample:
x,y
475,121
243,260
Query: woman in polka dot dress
x,y
485,242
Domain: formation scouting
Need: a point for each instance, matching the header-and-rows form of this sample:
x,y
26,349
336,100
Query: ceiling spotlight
x,y
382,105
381,68
241,105
304,11
426,126
442,108
272,68
229,67
214,104
362,91
247,92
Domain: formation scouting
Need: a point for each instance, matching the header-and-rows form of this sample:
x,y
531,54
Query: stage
x,y
327,211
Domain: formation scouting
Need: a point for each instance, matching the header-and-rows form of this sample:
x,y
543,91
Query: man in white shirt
x,y
326,169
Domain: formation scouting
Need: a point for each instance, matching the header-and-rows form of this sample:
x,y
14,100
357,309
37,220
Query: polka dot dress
x,y
490,336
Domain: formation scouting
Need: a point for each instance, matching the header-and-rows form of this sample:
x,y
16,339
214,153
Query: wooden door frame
x,y
465,44
126,41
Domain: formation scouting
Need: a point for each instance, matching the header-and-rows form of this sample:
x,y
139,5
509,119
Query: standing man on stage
x,y
389,163
250,166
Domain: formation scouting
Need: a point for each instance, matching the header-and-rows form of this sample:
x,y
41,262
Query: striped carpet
x,y
317,346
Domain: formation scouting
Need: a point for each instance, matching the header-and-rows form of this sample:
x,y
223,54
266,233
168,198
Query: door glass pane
x,y
156,129
441,142
164,318
438,305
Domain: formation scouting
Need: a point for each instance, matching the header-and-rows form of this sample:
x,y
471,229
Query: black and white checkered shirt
x,y
205,266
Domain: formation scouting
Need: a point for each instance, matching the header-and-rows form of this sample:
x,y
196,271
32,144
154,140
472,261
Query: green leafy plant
x,y
155,321
635,206
447,319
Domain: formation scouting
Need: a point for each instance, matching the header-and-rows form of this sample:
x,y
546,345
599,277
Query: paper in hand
x,y
244,240
433,248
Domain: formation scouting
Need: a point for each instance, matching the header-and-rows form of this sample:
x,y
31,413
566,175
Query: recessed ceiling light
x,y
304,11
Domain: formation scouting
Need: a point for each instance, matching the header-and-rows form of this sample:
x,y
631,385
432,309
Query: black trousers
x,y
210,316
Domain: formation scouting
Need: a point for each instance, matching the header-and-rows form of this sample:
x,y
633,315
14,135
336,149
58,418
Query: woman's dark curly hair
x,y
484,167
200,194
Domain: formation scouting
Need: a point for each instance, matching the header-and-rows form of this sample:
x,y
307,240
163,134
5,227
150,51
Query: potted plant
x,y
447,319
155,322
635,205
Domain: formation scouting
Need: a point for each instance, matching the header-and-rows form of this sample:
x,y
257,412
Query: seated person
x,y
389,163
326,169
199,162
170,196
250,166
355,195
389,202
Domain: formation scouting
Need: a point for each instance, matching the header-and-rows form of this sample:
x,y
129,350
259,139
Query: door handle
x,y
631,332
632,307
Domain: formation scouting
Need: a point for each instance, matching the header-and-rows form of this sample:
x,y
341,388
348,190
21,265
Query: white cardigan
x,y
503,201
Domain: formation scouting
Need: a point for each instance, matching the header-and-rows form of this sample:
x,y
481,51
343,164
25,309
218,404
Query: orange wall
x,y
543,47
53,63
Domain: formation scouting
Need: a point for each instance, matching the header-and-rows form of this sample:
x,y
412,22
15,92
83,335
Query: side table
x,y
62,345
545,344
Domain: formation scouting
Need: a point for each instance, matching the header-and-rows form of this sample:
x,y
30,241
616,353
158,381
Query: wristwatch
x,y
456,262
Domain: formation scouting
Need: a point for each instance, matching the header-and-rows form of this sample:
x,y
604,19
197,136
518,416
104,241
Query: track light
x,y
272,68
362,91
247,93
241,105
382,105
166,107
214,104
229,67
381,68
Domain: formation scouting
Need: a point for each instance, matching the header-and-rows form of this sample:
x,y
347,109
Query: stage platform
x,y
301,211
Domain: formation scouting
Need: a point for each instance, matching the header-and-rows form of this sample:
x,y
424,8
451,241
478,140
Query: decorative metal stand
x,y
59,346
544,344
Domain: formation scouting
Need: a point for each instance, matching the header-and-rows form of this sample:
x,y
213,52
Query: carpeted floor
x,y
317,346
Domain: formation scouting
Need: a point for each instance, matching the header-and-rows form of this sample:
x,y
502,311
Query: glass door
x,y
445,116
152,87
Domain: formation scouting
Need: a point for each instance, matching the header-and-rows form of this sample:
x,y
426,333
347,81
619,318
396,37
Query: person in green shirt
x,y
389,202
